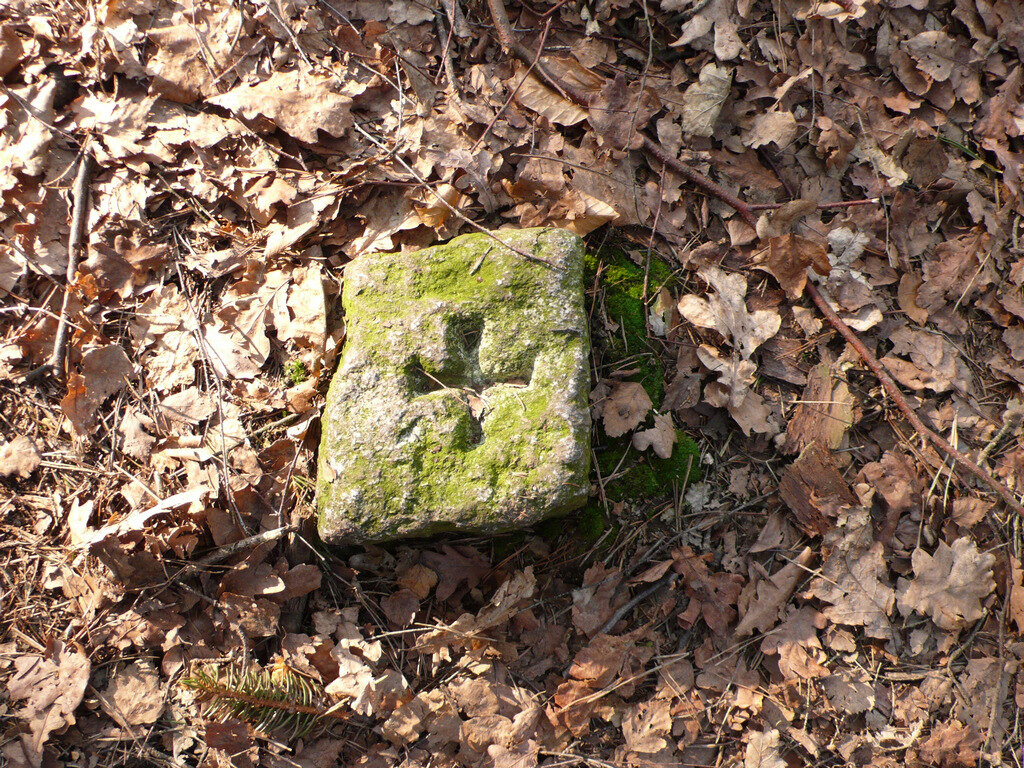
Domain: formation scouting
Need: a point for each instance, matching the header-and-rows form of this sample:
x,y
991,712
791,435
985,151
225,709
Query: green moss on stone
x,y
403,453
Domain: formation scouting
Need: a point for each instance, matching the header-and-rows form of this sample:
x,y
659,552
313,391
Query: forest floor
x,y
834,587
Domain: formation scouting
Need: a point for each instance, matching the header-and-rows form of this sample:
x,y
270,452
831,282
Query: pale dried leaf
x,y
703,100
105,371
134,696
854,578
763,750
661,437
850,691
299,102
542,100
772,594
949,585
19,457
625,408
774,127
51,686
725,311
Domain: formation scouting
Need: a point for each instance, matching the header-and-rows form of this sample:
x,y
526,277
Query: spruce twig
x,y
277,700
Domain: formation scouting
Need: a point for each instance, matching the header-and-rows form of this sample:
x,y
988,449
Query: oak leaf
x,y
854,577
725,311
19,457
949,585
625,408
661,437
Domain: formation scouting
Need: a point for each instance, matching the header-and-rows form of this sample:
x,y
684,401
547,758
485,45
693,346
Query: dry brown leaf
x,y
796,643
617,114
594,603
134,696
852,692
854,578
949,585
735,376
534,95
192,46
594,667
105,370
135,440
725,311
934,52
718,18
787,259
979,693
1016,605
625,408
763,610
12,50
647,726
19,457
763,750
235,740
774,127
934,363
253,579
703,100
951,744
907,298
455,567
24,143
401,607
469,629
418,579
712,596
661,437
299,102
51,685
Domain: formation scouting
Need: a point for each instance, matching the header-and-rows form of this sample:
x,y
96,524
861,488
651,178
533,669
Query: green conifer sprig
x,y
278,700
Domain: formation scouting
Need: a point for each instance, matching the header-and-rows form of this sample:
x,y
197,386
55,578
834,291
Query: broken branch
x,y
80,193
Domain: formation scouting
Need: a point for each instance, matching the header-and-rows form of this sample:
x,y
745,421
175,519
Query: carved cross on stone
x,y
461,399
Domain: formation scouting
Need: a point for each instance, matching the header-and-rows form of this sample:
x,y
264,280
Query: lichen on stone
x,y
461,399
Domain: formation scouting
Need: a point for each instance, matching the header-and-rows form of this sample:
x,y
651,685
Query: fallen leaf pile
x,y
834,591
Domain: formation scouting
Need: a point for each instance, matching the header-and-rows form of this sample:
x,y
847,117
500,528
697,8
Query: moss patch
x,y
632,476
624,343
621,295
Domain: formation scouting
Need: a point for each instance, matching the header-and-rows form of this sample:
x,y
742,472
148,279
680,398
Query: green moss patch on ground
x,y
619,320
629,475
620,341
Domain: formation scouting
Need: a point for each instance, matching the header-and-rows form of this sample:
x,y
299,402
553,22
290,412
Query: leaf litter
x,y
859,603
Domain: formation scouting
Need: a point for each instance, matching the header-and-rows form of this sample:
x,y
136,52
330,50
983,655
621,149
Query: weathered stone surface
x,y
461,399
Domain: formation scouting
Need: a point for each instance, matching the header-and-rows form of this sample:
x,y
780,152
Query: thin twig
x,y
223,553
78,215
665,580
515,90
821,206
894,392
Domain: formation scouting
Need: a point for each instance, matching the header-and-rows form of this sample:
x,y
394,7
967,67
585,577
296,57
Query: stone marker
x,y
461,400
